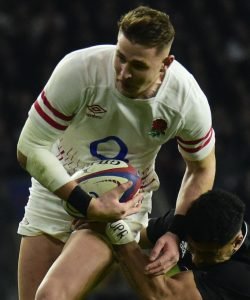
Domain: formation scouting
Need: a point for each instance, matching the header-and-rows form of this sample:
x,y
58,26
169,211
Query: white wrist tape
x,y
119,233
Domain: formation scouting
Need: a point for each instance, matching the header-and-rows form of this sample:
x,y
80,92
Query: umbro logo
x,y
95,111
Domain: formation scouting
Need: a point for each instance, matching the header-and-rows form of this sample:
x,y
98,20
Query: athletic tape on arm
x,y
119,233
41,163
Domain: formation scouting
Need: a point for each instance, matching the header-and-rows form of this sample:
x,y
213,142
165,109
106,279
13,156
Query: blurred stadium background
x,y
212,41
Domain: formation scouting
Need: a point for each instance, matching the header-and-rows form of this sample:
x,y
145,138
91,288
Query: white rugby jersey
x,y
87,119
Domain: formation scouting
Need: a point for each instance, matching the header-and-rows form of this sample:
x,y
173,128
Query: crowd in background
x,y
212,42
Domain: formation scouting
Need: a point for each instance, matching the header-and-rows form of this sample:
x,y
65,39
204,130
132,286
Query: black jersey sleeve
x,y
158,226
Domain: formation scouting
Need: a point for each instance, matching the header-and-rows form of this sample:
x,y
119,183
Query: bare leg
x,y
36,256
83,262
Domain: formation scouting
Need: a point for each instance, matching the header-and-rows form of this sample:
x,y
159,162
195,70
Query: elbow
x,y
22,159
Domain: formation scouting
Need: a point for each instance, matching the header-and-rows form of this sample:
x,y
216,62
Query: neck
x,y
153,89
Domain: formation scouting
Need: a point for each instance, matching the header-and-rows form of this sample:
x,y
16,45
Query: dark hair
x,y
215,216
147,27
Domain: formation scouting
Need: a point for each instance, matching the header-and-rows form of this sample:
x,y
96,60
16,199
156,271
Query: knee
x,y
52,291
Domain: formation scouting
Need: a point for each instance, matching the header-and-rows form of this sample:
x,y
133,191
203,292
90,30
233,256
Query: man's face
x,y
137,68
204,254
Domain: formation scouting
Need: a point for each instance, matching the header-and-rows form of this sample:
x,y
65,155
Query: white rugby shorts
x,y
44,214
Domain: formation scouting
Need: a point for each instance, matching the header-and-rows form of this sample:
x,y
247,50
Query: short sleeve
x,y
196,138
57,104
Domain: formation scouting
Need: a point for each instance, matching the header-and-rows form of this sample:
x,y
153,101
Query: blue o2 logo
x,y
123,149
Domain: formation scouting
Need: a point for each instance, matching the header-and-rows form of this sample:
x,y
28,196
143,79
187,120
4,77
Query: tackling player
x,y
118,101
217,253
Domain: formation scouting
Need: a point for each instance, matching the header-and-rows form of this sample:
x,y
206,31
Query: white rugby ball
x,y
103,175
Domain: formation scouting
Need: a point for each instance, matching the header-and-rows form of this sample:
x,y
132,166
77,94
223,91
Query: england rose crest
x,y
158,128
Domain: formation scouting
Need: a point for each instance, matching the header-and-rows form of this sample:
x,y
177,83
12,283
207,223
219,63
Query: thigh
x,y
36,255
83,262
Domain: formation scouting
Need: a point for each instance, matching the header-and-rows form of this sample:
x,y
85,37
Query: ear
x,y
238,241
168,60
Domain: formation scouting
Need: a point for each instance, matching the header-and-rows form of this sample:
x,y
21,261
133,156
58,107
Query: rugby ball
x,y
103,175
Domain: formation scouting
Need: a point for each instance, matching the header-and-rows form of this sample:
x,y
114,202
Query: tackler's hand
x,y
164,255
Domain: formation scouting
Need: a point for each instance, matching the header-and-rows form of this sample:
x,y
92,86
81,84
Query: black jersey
x,y
229,280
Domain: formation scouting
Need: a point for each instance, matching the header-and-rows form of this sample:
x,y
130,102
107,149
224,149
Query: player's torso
x,y
109,125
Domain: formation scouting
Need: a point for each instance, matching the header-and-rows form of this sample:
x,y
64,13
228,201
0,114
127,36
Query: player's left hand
x,y
164,255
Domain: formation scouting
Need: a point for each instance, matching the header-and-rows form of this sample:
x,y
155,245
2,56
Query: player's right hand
x,y
108,208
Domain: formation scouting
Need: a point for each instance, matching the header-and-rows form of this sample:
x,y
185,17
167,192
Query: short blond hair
x,y
148,27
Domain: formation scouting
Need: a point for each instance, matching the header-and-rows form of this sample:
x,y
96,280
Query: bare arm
x,y
133,261
198,179
144,241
